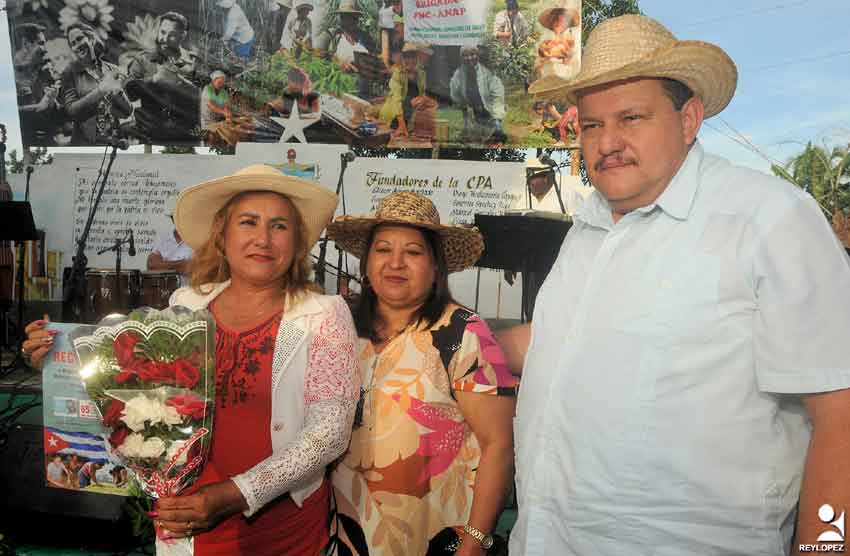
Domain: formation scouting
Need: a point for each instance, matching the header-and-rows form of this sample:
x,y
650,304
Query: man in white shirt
x,y
238,32
510,26
171,253
686,381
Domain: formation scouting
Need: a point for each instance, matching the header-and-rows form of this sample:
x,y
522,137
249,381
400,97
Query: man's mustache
x,y
613,160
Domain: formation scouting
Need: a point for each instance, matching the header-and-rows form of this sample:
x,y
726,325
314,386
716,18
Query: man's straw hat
x,y
462,246
632,46
348,7
197,205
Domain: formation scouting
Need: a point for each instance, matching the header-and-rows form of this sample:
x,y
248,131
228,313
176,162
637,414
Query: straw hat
x,y
636,46
417,47
534,167
284,3
196,206
348,7
548,16
462,246
303,4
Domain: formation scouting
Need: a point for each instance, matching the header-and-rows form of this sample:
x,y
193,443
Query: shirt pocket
x,y
686,300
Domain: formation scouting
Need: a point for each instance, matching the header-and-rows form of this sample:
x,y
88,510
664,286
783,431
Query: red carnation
x,y
156,371
188,404
186,375
124,345
118,436
126,375
112,415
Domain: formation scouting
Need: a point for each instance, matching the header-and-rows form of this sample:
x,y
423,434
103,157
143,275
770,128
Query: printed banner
x,y
372,73
76,444
446,22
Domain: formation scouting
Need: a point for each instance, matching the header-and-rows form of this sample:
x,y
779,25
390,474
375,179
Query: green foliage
x,y
594,12
822,172
264,86
38,155
513,65
368,20
136,506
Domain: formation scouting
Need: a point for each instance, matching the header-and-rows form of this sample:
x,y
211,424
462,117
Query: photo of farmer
x,y
558,49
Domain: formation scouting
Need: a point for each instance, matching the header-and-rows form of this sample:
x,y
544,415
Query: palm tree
x,y
825,175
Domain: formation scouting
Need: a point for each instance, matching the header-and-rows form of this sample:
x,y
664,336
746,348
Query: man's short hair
x,y
177,18
29,31
511,5
678,92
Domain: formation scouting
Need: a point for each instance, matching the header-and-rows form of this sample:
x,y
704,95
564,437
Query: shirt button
x,y
277,427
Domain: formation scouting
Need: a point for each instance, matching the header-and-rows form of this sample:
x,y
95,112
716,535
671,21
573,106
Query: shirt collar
x,y
676,200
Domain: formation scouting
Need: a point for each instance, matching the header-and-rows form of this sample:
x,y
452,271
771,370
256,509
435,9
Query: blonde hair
x,y
209,264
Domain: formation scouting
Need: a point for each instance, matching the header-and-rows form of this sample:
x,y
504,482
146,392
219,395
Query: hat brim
x,y
547,16
461,246
197,205
705,68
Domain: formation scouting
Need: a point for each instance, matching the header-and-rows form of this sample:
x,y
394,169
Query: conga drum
x,y
157,287
101,297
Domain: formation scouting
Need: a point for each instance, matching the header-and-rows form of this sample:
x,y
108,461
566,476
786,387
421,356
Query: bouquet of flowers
x,y
151,375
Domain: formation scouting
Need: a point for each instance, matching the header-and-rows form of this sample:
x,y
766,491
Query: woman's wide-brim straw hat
x,y
634,46
548,16
348,7
462,246
197,206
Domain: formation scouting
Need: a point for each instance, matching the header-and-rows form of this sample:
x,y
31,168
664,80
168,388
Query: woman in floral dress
x,y
431,456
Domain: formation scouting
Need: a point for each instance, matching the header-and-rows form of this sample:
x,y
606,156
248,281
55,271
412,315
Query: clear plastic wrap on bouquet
x,y
151,375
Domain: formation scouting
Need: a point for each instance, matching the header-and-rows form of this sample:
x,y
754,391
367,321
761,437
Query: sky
x,y
793,58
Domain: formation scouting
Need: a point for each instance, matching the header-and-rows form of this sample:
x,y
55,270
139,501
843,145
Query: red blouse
x,y
241,439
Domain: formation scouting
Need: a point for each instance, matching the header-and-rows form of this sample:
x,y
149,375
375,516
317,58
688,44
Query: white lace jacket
x,y
315,385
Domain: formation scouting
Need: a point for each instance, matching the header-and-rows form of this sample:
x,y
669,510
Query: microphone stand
x,y
345,158
72,290
558,189
116,305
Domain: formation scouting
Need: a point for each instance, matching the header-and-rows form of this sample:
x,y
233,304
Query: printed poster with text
x,y
76,445
368,73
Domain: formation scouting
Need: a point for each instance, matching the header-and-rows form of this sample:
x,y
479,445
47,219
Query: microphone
x,y
347,156
132,250
547,160
30,170
119,143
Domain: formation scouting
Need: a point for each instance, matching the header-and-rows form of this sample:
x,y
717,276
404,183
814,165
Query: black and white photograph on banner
x,y
370,73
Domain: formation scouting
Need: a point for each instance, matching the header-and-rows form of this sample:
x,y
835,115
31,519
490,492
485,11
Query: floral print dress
x,y
407,479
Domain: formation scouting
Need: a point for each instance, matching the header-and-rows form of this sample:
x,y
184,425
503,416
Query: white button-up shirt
x,y
651,417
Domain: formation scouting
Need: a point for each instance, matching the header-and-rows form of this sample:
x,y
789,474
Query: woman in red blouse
x,y
287,376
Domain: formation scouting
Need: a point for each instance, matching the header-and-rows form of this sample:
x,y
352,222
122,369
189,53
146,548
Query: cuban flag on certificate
x,y
91,446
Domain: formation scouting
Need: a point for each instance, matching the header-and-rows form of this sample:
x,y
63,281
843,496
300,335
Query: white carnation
x,y
136,411
152,448
141,409
170,415
176,445
132,445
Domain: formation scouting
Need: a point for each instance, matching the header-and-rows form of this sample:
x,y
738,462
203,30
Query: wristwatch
x,y
485,540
